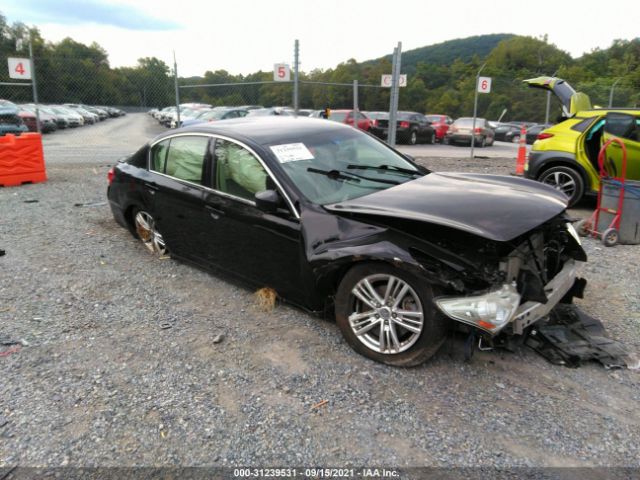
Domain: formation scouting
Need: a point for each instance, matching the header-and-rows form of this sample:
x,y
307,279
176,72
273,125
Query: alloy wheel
x,y
561,181
149,235
386,313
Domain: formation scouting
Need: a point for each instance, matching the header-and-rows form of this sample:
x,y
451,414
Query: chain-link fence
x,y
88,90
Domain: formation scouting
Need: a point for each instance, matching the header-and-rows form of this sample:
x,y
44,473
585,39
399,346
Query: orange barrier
x,y
21,159
522,152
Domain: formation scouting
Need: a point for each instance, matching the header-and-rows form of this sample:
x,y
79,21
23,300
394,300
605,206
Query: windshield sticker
x,y
292,152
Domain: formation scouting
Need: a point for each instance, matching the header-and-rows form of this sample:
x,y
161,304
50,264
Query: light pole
x,y
611,92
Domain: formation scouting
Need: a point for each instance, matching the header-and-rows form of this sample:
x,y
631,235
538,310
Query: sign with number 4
x,y
19,68
484,84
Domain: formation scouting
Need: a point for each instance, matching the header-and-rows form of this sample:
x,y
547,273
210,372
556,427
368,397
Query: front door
x,y
262,247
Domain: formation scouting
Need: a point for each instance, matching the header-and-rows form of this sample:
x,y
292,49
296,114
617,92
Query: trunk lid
x,y
572,101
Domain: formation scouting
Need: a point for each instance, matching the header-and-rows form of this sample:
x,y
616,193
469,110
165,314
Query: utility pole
x,y
34,84
475,111
175,73
395,92
610,93
296,77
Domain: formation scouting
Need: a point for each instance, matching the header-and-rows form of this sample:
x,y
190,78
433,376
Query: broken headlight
x,y
490,311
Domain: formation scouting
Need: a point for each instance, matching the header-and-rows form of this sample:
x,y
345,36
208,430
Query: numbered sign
x,y
386,80
484,84
281,72
19,68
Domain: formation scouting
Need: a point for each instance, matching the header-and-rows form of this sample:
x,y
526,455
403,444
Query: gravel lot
x,y
103,382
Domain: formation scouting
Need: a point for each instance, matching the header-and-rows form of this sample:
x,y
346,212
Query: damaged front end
x,y
536,274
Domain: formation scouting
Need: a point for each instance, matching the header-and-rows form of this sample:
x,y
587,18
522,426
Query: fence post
x,y
296,78
475,110
395,92
355,104
34,84
175,72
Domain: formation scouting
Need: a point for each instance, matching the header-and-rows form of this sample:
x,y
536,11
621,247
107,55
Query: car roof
x,y
265,130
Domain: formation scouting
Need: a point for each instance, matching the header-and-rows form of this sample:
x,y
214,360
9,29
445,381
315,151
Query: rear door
x,y
626,127
181,166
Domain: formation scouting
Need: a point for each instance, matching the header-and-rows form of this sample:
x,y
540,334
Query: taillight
x,y
478,130
404,124
374,122
110,175
543,136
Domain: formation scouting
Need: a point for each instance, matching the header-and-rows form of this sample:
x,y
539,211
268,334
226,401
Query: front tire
x,y
565,179
432,139
388,315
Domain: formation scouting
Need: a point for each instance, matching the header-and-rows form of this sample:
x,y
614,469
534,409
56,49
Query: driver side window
x,y
238,171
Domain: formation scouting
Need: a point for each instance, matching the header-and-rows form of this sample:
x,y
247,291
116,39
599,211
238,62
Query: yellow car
x,y
565,156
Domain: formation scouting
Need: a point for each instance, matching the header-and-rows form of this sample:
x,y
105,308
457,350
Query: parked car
x,y
267,112
89,118
215,115
10,121
377,128
333,218
534,131
411,128
73,118
346,116
508,132
440,124
48,122
566,154
460,131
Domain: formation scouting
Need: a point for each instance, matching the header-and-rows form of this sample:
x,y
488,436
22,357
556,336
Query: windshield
x,y
334,166
338,116
434,118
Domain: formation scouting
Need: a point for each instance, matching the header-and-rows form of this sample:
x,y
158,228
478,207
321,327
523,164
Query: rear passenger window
x,y
582,126
159,156
185,159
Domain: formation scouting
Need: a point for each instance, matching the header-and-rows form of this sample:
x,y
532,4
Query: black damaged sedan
x,y
335,220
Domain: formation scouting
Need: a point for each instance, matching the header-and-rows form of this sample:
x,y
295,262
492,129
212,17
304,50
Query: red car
x,y
346,116
440,123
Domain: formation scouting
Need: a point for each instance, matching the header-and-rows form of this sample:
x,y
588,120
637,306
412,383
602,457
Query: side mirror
x,y
268,201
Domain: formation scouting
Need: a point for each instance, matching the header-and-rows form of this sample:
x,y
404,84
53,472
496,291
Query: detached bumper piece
x,y
571,337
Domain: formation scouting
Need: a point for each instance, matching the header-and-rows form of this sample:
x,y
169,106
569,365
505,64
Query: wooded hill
x,y
440,77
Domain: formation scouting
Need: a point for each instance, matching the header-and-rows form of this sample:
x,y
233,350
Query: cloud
x,y
74,12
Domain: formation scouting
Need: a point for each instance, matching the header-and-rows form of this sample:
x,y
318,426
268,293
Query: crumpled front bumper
x,y
530,312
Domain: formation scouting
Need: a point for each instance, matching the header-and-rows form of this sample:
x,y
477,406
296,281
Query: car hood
x,y
495,207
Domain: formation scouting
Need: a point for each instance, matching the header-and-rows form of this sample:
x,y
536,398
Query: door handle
x,y
215,213
152,187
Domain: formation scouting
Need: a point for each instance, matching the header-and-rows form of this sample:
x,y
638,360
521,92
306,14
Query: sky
x,y
243,36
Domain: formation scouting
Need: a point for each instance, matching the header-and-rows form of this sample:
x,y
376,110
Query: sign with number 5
x,y
19,68
281,72
484,84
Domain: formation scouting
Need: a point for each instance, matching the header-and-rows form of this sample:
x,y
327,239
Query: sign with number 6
x,y
19,68
281,72
484,84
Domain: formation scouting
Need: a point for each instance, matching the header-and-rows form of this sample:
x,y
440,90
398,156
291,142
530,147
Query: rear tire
x,y
432,139
413,137
565,179
388,315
